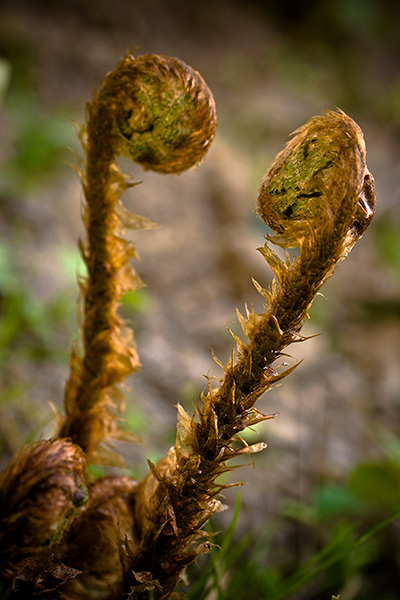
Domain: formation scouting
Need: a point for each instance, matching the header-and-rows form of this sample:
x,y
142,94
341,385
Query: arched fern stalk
x,y
68,536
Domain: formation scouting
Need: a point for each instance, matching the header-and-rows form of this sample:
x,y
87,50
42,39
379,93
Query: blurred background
x,y
328,487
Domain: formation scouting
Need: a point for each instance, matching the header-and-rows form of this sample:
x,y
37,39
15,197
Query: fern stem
x,y
179,494
158,111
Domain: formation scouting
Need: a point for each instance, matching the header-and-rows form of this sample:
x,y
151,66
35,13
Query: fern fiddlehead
x,y
135,539
318,195
42,490
158,111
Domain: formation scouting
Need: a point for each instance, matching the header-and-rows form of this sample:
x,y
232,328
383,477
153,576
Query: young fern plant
x,y
116,538
159,112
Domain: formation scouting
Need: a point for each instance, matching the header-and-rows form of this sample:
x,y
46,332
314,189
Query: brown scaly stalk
x,y
158,111
136,539
319,196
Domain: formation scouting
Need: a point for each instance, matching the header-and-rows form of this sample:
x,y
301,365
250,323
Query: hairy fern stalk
x,y
65,535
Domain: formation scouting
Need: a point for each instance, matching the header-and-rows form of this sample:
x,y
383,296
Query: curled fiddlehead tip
x,y
321,170
165,115
159,112
41,491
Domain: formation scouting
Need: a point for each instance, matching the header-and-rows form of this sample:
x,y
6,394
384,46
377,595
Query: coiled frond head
x,y
41,491
322,170
164,112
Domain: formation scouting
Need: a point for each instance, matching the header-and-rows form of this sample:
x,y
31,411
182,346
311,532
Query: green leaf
x,y
377,483
332,499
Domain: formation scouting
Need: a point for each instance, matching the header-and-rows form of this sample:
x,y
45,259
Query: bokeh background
x,y
331,473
